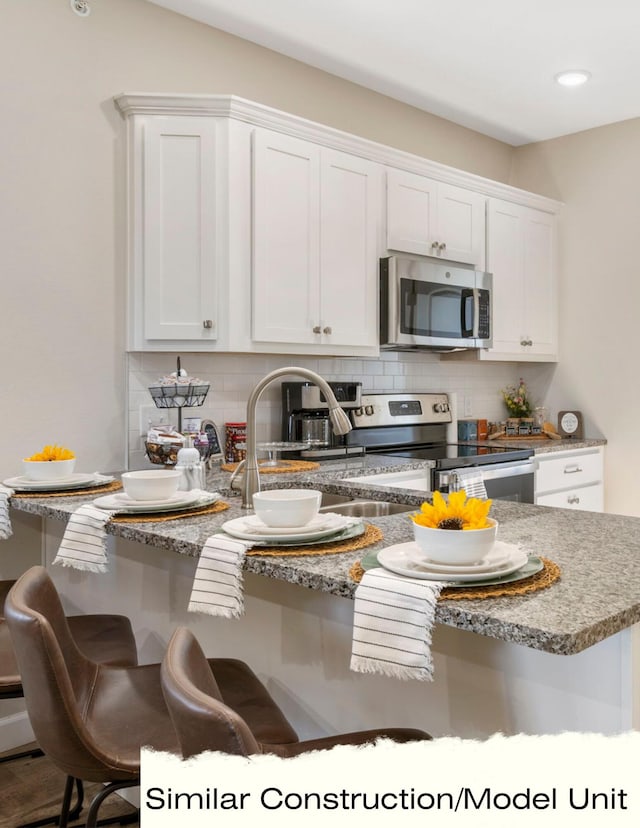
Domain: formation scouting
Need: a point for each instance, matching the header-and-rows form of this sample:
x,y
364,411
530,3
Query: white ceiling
x,y
486,64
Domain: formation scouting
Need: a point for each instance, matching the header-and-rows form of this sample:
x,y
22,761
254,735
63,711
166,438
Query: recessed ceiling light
x,y
573,77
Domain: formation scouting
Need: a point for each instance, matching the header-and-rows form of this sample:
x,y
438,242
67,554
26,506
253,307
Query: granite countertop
x,y
542,446
589,603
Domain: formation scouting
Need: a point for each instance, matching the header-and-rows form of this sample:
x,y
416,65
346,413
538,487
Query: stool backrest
x,y
56,677
201,719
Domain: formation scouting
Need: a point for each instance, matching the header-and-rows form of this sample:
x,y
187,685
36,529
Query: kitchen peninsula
x,y
563,658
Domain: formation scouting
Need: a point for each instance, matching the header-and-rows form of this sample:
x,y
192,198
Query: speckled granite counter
x,y
591,601
544,446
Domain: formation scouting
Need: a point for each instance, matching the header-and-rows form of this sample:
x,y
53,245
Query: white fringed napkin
x,y
471,481
83,544
392,622
217,586
5,520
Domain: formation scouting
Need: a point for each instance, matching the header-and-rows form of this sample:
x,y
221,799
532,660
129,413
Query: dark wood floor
x,y
31,789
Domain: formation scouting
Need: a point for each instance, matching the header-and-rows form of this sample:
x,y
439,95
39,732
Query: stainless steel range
x,y
415,425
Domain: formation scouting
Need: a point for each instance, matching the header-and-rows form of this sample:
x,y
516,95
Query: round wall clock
x,y
570,424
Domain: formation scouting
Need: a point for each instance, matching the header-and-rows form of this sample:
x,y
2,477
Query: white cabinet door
x,y
349,211
521,257
571,479
461,225
540,300
411,213
435,219
315,226
178,228
285,227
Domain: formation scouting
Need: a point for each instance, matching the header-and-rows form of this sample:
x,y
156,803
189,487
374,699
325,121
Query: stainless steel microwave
x,y
425,304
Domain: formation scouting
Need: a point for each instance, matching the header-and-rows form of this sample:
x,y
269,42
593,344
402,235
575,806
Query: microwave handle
x,y
470,327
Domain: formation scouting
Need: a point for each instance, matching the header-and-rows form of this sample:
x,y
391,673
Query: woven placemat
x,y
283,466
211,509
104,489
371,535
541,580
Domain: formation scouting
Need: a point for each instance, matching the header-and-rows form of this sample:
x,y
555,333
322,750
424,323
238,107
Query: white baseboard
x,y
15,730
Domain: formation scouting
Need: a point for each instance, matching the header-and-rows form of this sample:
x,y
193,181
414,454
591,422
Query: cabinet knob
x,y
326,330
573,499
317,329
442,246
526,341
435,245
207,323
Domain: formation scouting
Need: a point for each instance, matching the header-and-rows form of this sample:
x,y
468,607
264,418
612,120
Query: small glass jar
x,y
540,415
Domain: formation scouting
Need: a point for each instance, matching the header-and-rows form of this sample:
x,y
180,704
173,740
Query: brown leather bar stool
x,y
107,639
204,719
90,719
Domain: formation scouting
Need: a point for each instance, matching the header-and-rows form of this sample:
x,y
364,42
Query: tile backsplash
x,y
477,385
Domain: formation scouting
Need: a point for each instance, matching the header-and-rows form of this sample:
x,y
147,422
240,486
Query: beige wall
x,y
62,219
62,213
597,174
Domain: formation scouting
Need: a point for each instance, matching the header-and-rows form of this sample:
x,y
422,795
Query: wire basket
x,y
179,396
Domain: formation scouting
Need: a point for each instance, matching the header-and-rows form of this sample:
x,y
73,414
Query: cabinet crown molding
x,y
231,106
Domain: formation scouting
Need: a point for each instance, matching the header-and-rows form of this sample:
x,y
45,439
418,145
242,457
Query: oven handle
x,y
505,470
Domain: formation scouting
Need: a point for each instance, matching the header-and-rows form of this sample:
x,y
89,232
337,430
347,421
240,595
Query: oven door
x,y
503,481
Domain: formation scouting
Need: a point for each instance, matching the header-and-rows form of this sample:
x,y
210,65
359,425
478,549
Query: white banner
x,y
567,780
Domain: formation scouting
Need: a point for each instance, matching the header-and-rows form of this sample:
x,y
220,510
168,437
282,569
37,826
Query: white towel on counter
x,y
5,520
83,544
217,586
469,480
393,618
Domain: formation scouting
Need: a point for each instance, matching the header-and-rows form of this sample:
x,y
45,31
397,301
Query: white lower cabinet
x,y
571,479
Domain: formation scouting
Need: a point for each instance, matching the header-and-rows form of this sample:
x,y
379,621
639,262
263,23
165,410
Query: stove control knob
x,y
368,410
358,412
441,408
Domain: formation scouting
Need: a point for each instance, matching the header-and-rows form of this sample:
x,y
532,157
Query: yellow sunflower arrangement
x,y
457,512
52,453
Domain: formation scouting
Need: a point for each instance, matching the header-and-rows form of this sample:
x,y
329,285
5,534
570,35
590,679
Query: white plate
x,y
500,554
244,529
61,484
255,526
354,530
180,500
397,559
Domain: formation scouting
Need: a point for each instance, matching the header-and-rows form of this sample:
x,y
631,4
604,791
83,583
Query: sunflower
x,y
52,453
456,513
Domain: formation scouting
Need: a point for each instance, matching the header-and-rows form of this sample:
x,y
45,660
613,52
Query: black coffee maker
x,y
305,418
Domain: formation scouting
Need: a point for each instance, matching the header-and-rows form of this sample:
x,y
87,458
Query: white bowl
x,y
287,507
455,546
48,469
151,484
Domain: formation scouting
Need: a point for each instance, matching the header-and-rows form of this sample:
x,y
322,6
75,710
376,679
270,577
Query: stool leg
x,y
74,813
92,816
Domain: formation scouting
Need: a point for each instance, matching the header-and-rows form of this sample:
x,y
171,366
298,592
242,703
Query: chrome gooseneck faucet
x,y
339,422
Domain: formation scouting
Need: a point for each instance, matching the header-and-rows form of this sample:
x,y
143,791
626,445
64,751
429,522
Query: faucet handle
x,y
236,471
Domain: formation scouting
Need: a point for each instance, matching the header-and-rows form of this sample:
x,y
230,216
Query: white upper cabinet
x,y
175,246
521,256
285,227
256,231
315,227
431,218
